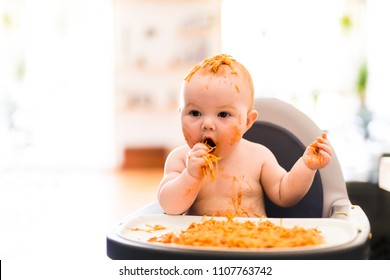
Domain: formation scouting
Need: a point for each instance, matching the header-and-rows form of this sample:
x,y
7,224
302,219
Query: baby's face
x,y
215,107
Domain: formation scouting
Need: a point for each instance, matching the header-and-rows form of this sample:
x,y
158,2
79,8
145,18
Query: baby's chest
x,y
232,183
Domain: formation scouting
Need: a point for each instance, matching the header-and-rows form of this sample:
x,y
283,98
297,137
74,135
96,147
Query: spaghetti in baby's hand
x,y
211,161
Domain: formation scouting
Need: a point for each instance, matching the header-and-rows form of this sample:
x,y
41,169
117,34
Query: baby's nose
x,y
208,124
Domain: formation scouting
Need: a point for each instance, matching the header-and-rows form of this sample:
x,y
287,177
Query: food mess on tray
x,y
232,233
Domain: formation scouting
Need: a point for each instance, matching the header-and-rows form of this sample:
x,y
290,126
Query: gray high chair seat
x,y
286,131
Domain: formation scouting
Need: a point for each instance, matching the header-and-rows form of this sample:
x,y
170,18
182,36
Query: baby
x,y
218,172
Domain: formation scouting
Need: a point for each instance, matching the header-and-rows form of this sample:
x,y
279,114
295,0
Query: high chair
x,y
286,131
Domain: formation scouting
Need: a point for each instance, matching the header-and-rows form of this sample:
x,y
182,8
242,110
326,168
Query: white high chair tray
x,y
336,232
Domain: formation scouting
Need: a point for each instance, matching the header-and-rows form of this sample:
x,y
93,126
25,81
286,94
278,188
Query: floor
x,y
67,214
132,190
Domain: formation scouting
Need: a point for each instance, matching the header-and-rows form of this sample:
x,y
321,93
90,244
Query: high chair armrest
x,y
356,216
340,211
353,214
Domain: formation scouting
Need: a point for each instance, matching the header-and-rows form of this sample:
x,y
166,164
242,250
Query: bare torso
x,y
237,189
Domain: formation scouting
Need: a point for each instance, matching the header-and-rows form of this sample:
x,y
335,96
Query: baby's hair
x,y
212,64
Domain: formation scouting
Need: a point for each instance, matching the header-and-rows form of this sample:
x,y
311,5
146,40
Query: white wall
x,y
65,101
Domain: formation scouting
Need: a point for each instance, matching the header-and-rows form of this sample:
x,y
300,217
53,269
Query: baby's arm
x,y
287,188
183,179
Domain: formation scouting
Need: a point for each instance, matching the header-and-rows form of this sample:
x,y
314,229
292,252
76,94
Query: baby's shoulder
x,y
256,149
179,152
176,159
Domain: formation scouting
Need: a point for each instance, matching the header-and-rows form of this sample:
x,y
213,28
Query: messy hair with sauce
x,y
221,65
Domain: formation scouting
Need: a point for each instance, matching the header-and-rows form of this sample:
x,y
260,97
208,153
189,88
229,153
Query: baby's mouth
x,y
210,142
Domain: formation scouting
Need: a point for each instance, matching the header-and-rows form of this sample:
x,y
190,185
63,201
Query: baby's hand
x,y
195,160
318,154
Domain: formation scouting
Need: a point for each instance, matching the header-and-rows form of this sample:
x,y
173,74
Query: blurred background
x,y
88,95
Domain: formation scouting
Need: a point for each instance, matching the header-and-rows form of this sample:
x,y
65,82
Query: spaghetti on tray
x,y
231,233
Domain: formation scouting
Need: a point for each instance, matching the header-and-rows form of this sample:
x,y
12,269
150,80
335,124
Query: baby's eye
x,y
195,113
223,114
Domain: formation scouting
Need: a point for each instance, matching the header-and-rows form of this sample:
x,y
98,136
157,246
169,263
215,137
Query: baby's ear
x,y
251,118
